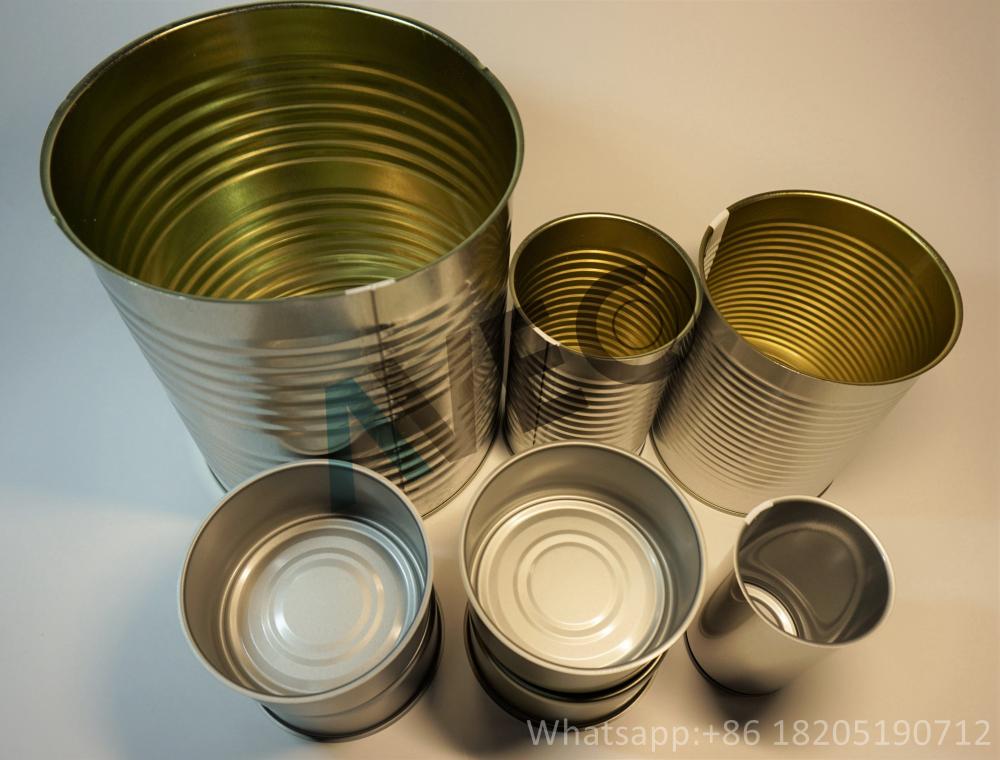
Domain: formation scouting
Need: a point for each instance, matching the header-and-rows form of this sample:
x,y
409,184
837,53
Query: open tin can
x,y
604,309
582,565
805,579
820,312
309,590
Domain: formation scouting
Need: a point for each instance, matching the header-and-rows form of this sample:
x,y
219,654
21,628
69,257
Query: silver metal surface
x,y
820,313
300,211
805,578
527,702
604,308
309,589
405,693
582,564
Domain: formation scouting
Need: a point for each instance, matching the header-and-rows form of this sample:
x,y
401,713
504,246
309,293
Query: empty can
x,y
300,211
820,313
527,702
309,589
582,565
805,579
603,311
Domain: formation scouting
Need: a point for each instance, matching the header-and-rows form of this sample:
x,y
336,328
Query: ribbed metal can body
x,y
301,212
604,308
820,313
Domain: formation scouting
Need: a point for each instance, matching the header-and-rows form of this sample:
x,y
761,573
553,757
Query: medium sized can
x,y
603,311
805,579
527,702
820,313
309,589
582,565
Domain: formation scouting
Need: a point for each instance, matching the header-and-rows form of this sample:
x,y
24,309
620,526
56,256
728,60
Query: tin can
x,y
820,313
309,589
525,701
582,565
805,579
603,311
300,210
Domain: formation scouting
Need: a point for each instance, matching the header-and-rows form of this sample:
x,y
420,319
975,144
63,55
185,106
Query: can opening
x,y
605,285
814,572
279,151
833,288
306,580
582,557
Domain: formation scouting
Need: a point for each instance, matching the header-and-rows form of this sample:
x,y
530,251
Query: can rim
x,y
94,74
659,350
426,600
890,575
555,667
934,256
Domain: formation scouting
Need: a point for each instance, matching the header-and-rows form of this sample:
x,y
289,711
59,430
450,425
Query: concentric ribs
x,y
593,345
300,212
735,440
416,402
288,177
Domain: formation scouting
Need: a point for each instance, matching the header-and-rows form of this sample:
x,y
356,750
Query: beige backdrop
x,y
663,111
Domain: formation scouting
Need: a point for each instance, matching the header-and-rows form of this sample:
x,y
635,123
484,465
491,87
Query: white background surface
x,y
664,111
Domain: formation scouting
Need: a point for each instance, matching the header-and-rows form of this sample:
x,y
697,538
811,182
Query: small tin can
x,y
309,589
805,579
527,702
604,307
582,565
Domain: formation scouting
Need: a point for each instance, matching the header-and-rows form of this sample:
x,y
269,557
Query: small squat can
x,y
805,579
309,589
604,309
582,566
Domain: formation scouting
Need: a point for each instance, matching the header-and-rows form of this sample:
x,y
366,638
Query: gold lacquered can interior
x,y
281,150
605,285
833,288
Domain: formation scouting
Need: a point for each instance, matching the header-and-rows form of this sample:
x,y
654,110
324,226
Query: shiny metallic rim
x,y
906,230
76,93
260,696
609,671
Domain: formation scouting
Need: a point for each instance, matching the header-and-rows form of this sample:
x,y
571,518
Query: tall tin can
x,y
300,210
805,579
604,307
820,313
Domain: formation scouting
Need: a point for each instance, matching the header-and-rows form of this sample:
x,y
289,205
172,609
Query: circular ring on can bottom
x,y
512,710
437,643
712,681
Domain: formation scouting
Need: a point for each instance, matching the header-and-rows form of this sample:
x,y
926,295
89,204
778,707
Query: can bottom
x,y
438,645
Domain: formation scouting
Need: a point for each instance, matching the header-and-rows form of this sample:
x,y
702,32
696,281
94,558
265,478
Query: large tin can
x,y
582,565
309,589
301,211
603,311
805,579
820,313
